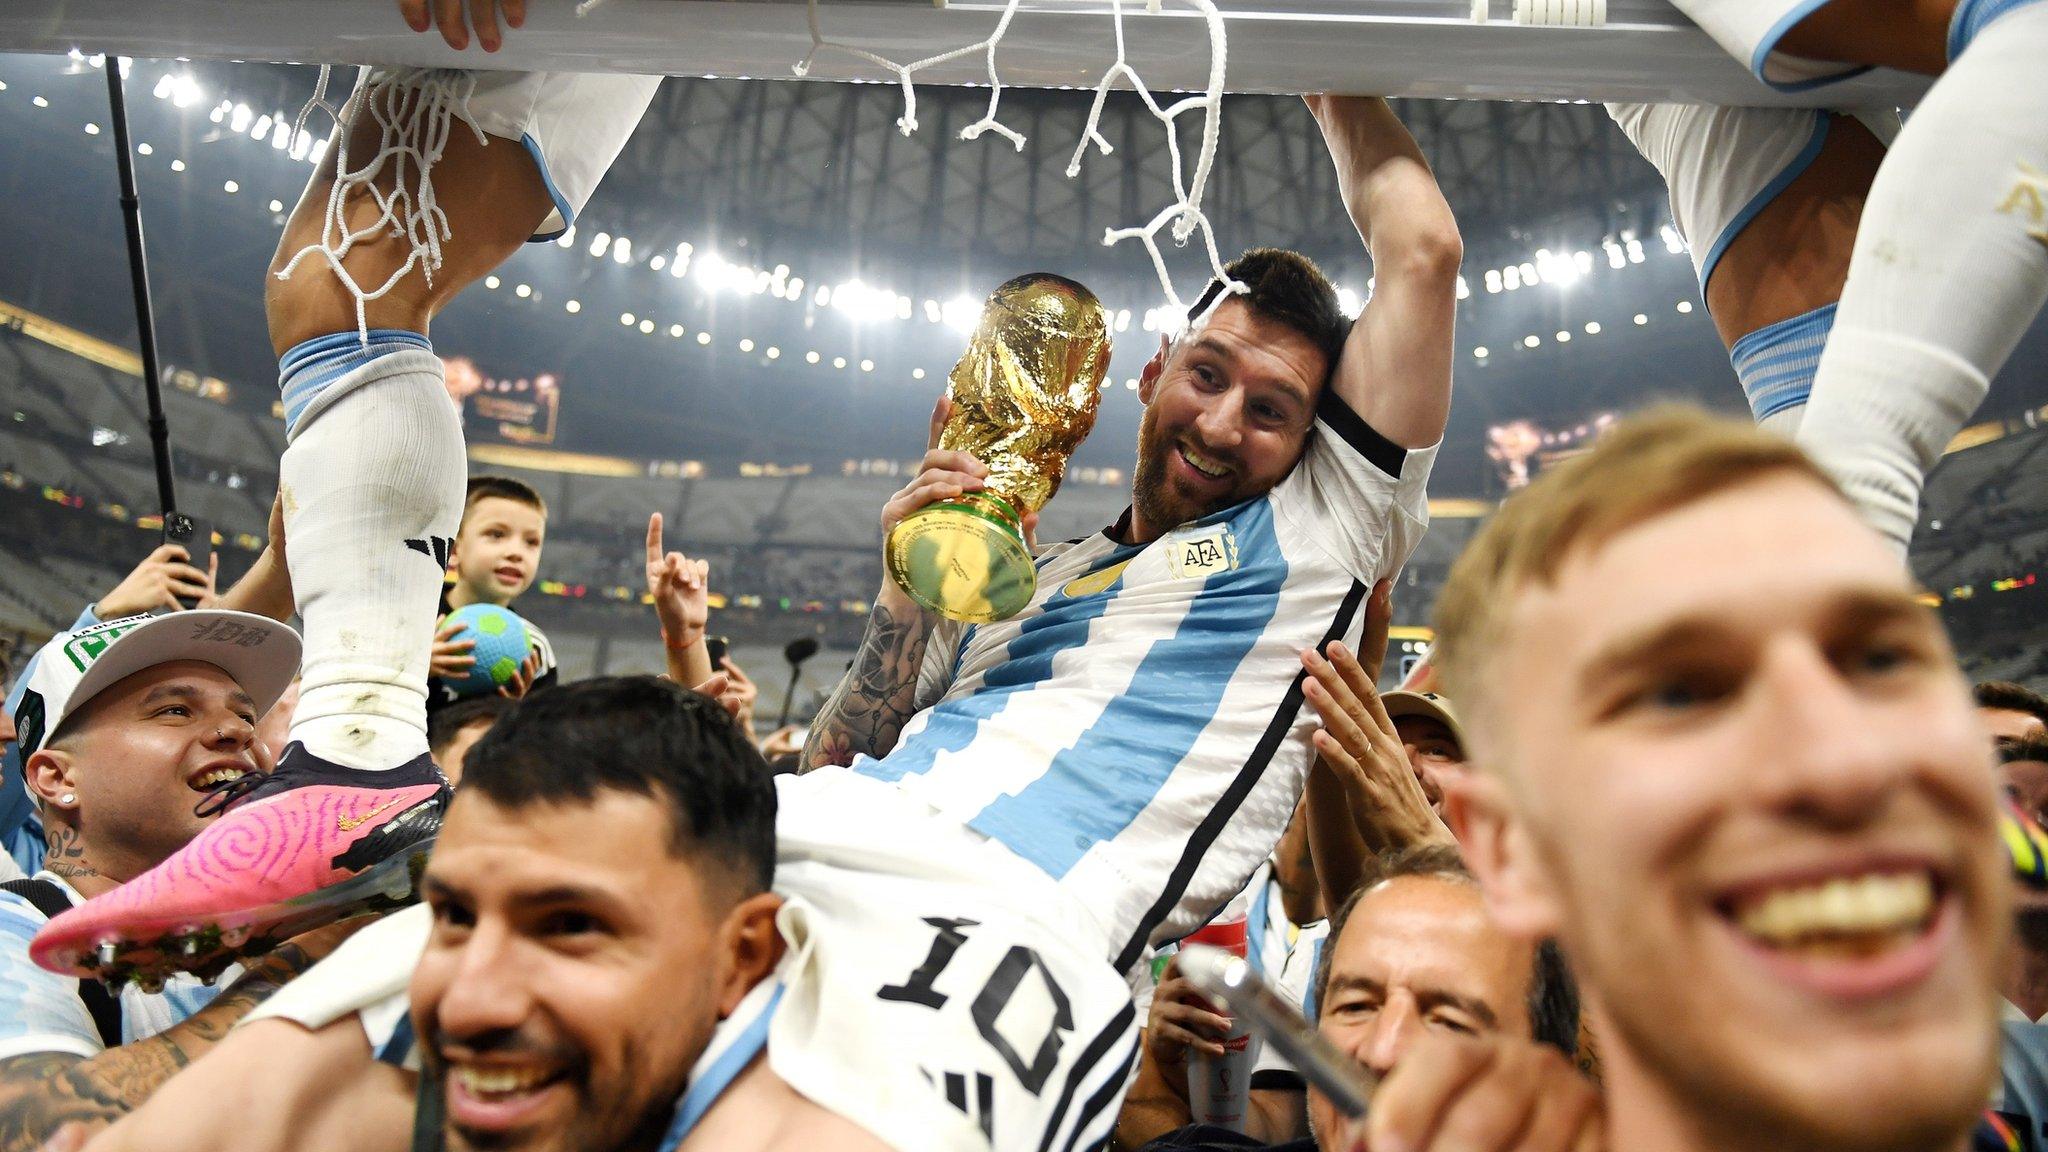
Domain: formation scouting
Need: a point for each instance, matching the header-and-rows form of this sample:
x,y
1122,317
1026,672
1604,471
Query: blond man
x,y
1728,760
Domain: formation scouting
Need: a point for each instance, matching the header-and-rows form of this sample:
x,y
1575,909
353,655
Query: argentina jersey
x,y
1137,732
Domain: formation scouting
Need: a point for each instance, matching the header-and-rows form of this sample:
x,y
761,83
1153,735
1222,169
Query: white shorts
x,y
1724,165
938,991
1749,30
574,124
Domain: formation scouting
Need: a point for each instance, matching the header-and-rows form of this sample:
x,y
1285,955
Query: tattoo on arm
x,y
65,854
879,694
42,1092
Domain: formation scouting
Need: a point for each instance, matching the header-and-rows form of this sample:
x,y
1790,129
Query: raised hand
x,y
943,475
1358,741
681,590
163,576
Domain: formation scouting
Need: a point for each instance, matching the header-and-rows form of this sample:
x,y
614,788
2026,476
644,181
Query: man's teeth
x,y
1203,465
500,1081
209,779
1846,906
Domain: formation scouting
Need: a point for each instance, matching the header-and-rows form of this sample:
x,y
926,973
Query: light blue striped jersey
x,y
1138,730
42,1011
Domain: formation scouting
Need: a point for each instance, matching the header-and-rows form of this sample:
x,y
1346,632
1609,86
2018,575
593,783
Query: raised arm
x,y
681,590
1395,370
866,713
266,589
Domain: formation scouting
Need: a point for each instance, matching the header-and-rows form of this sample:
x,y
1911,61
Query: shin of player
x,y
433,178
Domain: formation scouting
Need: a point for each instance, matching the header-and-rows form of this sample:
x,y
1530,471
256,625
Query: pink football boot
x,y
307,845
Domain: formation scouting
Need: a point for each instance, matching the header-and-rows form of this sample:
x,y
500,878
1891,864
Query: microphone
x,y
796,652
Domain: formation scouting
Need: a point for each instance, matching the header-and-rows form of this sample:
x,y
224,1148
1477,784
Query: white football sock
x,y
373,484
1950,267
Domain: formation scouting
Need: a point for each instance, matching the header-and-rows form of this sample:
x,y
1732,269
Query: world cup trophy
x,y
1024,397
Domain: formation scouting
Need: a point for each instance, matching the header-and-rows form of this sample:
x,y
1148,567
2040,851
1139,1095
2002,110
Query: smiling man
x,y
600,902
1002,820
1727,758
125,727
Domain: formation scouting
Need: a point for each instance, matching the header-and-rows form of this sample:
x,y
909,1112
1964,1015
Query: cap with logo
x,y
1403,702
259,654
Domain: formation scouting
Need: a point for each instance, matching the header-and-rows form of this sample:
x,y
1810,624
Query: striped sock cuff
x,y
1972,17
306,370
1776,363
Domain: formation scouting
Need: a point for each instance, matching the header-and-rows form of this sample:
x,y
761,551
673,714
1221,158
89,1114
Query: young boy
x,y
496,554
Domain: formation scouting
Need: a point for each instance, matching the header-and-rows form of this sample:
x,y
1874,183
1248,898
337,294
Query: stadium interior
x,y
771,258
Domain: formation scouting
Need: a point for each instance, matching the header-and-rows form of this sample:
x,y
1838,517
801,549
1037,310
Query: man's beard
x,y
632,1117
1157,504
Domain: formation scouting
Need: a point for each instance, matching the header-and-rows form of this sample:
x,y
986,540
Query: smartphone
x,y
195,536
717,646
1230,979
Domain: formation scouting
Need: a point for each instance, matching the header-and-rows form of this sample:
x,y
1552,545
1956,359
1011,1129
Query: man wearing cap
x,y
162,582
125,728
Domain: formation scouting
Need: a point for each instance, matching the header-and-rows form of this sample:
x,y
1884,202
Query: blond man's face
x,y
1745,785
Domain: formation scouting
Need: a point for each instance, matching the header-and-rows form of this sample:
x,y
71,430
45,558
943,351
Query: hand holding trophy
x,y
1024,397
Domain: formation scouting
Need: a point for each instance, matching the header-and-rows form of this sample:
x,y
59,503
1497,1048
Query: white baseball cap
x,y
259,654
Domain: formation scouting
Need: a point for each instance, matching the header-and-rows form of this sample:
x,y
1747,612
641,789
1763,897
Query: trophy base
x,y
964,559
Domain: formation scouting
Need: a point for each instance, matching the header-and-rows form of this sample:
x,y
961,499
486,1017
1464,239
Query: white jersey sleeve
x,y
39,1011
1362,497
366,976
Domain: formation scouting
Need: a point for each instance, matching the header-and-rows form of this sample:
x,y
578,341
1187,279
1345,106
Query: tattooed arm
x,y
41,1092
879,694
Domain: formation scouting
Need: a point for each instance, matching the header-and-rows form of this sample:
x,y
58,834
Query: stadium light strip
x,y
858,300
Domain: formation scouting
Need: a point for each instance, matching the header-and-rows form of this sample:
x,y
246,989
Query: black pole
x,y
138,272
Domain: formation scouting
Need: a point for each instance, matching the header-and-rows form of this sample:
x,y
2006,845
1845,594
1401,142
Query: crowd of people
x,y
1688,835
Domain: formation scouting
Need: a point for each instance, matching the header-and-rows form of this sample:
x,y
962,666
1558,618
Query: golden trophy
x,y
1024,397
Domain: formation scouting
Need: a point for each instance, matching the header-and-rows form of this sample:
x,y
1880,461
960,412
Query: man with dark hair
x,y
125,727
2011,711
1115,760
1413,968
454,730
597,903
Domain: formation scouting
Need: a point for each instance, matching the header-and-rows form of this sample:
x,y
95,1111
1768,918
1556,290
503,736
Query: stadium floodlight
x,y
960,313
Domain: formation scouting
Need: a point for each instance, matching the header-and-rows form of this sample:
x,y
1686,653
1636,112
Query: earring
x,y
68,798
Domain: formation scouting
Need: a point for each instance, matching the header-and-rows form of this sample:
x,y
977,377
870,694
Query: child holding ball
x,y
495,557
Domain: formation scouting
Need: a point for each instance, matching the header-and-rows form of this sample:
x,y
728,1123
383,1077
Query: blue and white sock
x,y
372,483
1776,364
